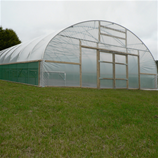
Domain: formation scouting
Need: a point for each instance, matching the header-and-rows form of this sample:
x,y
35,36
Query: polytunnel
x,y
95,54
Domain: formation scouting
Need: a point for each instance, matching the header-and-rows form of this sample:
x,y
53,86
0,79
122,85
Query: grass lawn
x,y
76,122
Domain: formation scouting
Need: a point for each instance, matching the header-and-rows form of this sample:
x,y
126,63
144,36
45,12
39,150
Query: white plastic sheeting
x,y
63,49
28,51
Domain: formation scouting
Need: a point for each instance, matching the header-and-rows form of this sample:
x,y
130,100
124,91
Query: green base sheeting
x,y
22,72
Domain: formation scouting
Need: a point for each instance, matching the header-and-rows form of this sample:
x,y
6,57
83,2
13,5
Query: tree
x,y
8,38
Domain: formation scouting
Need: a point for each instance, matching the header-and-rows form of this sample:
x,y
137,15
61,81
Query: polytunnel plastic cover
x,y
93,53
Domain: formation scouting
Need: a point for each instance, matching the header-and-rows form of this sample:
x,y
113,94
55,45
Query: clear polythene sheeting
x,y
89,68
57,74
133,71
63,49
148,81
68,46
147,64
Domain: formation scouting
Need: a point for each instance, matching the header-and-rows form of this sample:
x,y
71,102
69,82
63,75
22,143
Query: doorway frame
x,y
113,52
113,62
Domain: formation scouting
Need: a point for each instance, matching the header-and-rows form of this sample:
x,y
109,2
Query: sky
x,y
30,19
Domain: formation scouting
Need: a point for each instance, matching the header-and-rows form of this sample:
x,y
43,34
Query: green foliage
x,y
8,38
75,122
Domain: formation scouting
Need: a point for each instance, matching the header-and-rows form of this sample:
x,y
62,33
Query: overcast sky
x,y
30,19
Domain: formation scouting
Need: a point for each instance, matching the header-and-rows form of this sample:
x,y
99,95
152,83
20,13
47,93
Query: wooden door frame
x,y
113,52
114,71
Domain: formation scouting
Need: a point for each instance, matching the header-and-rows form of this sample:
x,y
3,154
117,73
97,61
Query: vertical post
x,y
98,68
138,70
42,83
156,81
27,73
27,77
80,64
98,58
126,39
127,71
99,31
127,81
16,73
114,82
39,63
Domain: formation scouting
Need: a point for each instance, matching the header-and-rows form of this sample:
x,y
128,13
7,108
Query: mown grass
x,y
75,122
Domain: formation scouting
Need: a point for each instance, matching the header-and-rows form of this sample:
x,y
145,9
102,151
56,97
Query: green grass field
x,y
75,122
